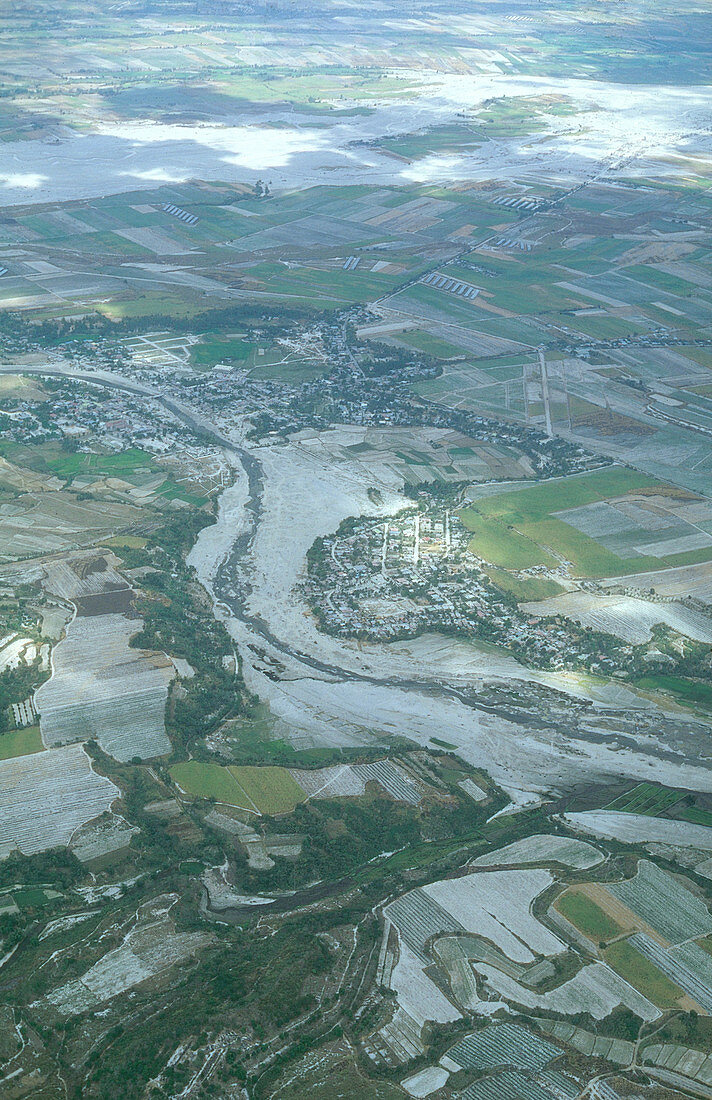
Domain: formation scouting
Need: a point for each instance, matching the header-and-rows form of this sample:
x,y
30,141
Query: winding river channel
x,y
532,736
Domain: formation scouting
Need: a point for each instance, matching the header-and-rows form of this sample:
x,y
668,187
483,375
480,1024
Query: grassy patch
x,y
431,345
643,975
588,917
696,817
126,542
524,588
52,458
501,544
29,897
271,789
20,742
210,352
202,780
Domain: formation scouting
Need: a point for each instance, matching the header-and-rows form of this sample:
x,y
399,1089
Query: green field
x,y
502,544
201,780
126,542
643,975
216,350
517,530
29,897
524,588
20,742
688,691
443,744
269,790
697,817
431,345
588,917
51,458
647,799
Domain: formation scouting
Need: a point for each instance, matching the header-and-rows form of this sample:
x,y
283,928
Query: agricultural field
x,y
502,1045
272,790
643,975
585,914
632,828
350,780
355,550
534,527
103,689
647,799
22,742
46,796
546,849
596,989
474,899
684,915
211,781
630,619
258,790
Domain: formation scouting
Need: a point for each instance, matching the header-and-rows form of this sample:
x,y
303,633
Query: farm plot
x,y
391,778
102,689
272,790
527,527
39,523
22,742
79,577
349,780
509,1085
619,1051
497,905
646,798
695,1064
454,958
632,828
543,849
596,989
269,790
418,995
682,917
505,1044
102,837
418,918
691,972
425,1082
456,954
207,780
644,975
588,908
44,798
628,618
339,781
150,948
470,788
653,523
